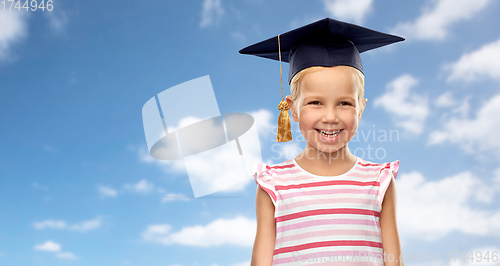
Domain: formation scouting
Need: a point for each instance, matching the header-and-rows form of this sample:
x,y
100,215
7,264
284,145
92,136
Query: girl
x,y
326,206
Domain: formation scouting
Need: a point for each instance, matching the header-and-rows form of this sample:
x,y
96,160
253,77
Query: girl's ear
x,y
363,105
292,108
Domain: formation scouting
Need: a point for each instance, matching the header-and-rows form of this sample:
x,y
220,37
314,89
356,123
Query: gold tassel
x,y
284,126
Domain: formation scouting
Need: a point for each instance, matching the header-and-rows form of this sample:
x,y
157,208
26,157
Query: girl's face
x,y
327,109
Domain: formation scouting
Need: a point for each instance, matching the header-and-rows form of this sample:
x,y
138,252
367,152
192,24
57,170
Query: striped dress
x,y
327,220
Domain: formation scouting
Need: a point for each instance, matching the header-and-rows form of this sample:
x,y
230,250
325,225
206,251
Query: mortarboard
x,y
327,42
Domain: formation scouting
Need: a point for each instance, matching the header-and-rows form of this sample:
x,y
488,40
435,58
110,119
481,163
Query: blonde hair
x,y
294,84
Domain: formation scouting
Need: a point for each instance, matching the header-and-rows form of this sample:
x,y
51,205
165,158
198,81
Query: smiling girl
x,y
326,206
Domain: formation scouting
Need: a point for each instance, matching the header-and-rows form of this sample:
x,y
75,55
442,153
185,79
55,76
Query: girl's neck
x,y
324,163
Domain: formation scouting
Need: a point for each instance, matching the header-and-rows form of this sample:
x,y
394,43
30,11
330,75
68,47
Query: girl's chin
x,y
323,149
332,150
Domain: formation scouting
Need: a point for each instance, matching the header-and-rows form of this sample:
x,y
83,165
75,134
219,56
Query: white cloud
x,y
106,191
445,100
438,16
445,205
476,135
480,64
86,225
409,110
463,108
66,255
48,246
141,187
58,19
263,118
55,247
211,13
496,179
348,9
13,28
62,225
174,197
55,224
239,231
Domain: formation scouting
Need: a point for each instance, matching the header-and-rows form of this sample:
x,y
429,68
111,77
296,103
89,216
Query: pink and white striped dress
x,y
322,220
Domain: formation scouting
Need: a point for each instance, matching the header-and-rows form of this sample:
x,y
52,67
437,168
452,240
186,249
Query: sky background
x,y
78,187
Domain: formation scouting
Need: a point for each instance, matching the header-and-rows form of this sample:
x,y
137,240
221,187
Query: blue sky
x,y
78,187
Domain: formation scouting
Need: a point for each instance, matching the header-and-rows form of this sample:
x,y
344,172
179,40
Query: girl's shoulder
x,y
266,175
383,172
271,169
392,166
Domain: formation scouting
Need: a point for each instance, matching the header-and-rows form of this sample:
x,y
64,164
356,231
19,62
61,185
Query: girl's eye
x,y
314,102
345,103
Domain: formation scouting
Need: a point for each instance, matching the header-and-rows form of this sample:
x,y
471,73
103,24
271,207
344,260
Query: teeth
x,y
329,134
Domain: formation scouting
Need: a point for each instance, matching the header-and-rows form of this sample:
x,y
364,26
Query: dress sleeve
x,y
387,172
264,178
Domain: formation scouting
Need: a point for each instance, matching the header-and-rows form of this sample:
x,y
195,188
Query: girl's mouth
x,y
329,134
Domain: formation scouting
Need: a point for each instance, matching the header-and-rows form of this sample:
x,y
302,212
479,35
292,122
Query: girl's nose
x,y
330,116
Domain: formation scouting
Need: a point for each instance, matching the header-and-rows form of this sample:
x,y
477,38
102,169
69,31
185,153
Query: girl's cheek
x,y
349,116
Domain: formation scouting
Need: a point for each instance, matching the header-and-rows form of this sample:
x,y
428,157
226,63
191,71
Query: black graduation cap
x,y
327,42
